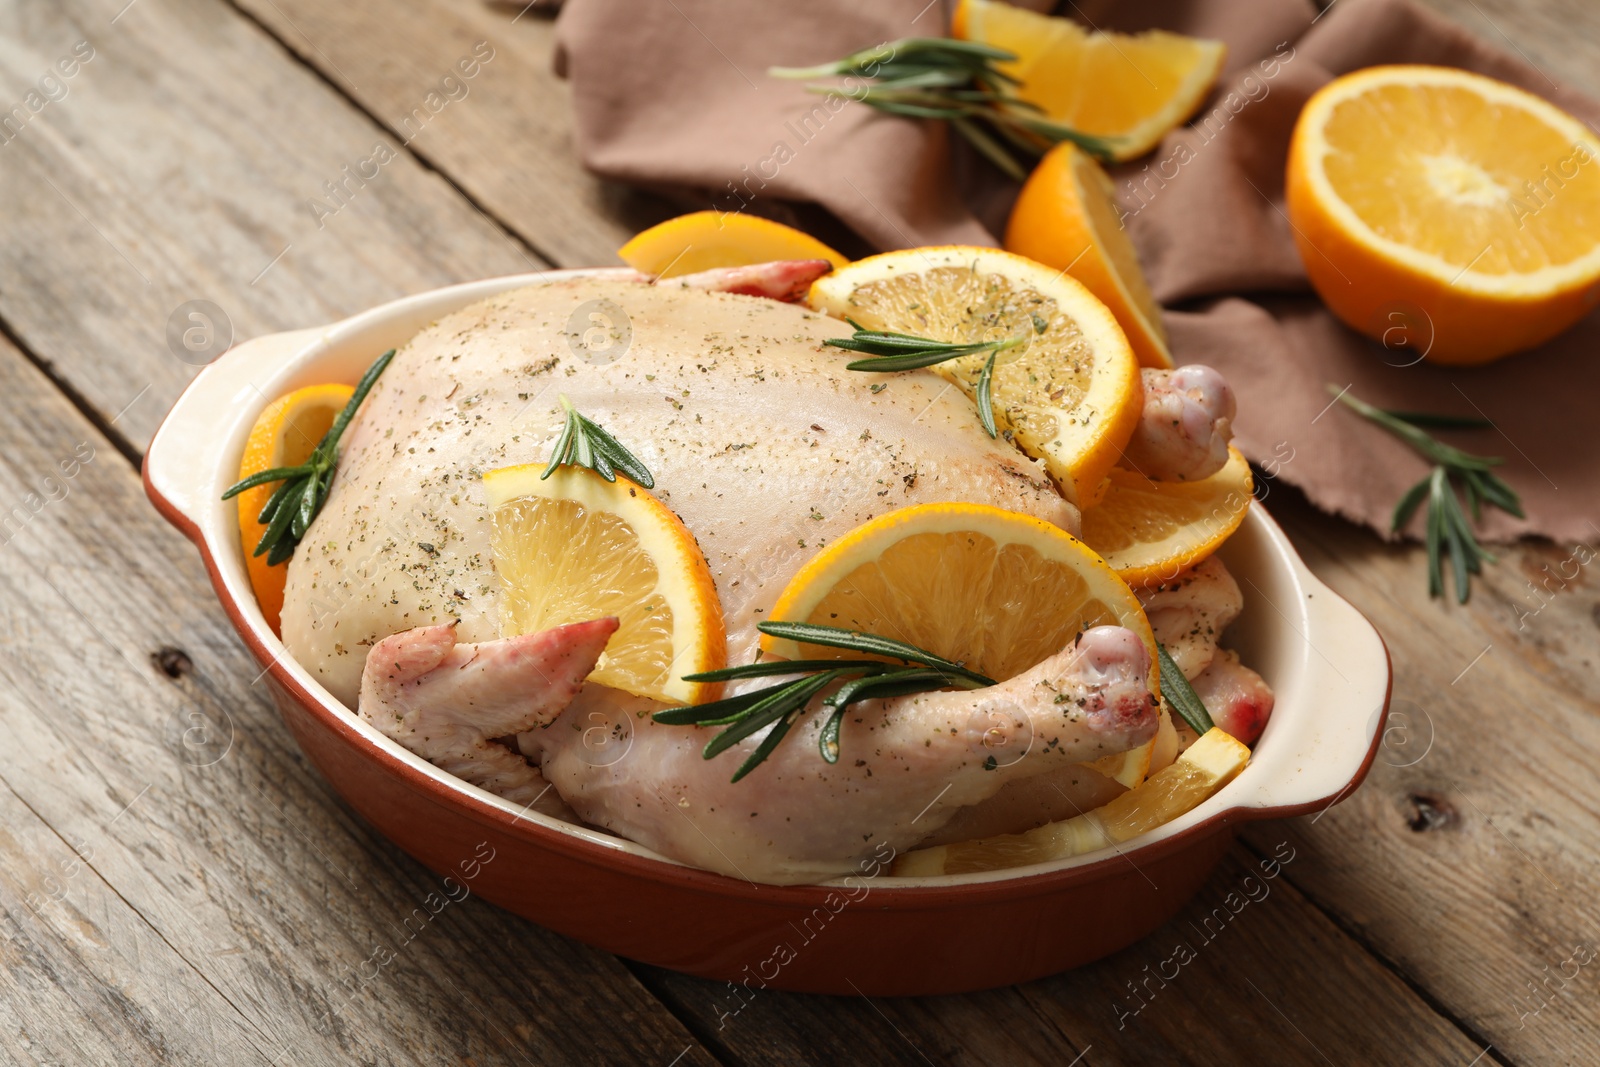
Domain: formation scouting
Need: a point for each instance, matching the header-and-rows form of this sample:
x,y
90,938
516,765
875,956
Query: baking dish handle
x,y
180,466
1328,753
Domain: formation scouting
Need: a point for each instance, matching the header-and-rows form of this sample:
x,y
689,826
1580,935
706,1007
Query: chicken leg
x,y
906,764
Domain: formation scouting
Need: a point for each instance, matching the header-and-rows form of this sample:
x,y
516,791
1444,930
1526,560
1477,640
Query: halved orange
x,y
284,435
1067,218
1446,209
705,240
1132,87
574,547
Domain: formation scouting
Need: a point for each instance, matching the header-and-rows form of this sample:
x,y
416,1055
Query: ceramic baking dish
x,y
870,933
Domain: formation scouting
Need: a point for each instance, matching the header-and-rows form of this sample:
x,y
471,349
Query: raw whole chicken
x,y
767,448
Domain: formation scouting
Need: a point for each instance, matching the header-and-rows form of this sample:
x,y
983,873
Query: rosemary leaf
x,y
774,667
618,456
561,451
1430,421
275,501
1435,532
279,527
779,731
308,507
1408,505
989,148
985,400
1180,695
1453,542
1501,495
877,687
828,738
866,644
1471,482
716,712
276,474
892,351
783,701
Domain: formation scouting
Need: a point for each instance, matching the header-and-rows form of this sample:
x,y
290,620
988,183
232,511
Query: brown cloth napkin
x,y
674,96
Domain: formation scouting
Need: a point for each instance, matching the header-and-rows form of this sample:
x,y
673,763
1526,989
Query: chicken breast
x,y
757,436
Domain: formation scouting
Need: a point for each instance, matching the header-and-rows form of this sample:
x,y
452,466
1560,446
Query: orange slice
x,y
1205,767
706,240
284,435
1148,531
575,547
1133,87
1447,210
1071,396
1067,218
996,590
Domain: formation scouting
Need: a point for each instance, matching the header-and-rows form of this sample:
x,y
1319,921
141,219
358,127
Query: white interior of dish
x,y
1324,661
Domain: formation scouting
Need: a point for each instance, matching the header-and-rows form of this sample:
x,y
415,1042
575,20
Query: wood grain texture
x,y
214,864
182,164
504,135
84,979
162,907
1248,972
1559,38
1467,859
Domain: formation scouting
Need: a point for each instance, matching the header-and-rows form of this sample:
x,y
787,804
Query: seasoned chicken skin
x,y
757,436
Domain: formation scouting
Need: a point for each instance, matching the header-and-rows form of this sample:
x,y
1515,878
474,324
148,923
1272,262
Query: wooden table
x,y
156,910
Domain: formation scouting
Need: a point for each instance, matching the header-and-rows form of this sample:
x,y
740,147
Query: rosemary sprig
x,y
957,81
1180,695
584,443
780,705
891,351
295,503
1446,530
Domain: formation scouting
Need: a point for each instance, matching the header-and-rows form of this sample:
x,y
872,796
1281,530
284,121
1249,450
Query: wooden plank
x,y
1465,859
129,723
504,134
1559,38
84,979
1248,972
185,162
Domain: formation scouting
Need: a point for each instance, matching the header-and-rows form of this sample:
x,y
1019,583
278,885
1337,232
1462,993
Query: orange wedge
x,y
1149,531
1067,218
1071,396
1205,767
1131,87
705,240
574,547
1458,210
284,435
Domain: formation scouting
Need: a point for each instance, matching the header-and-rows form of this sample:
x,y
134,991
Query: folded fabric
x,y
675,96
